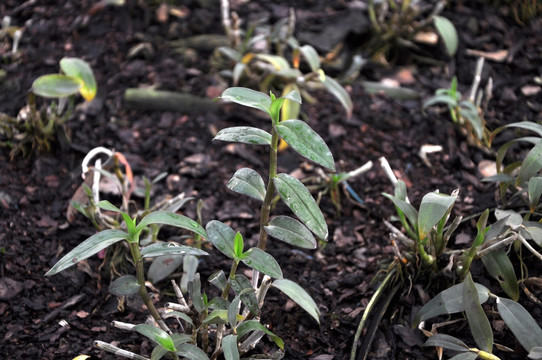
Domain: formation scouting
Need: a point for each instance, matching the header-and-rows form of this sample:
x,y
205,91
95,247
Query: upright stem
x,y
140,272
270,193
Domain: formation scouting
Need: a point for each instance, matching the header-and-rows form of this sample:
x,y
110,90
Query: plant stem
x,y
270,193
140,272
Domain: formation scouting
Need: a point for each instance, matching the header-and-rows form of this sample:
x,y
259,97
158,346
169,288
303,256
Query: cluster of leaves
x,y
464,112
35,129
396,26
494,244
234,318
270,68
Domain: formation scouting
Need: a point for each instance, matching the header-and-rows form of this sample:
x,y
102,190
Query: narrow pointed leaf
x,y
56,86
478,322
238,245
254,325
247,97
449,301
291,231
248,182
532,230
534,190
229,346
291,92
157,335
448,34
299,296
125,285
240,284
340,93
291,108
465,356
87,248
303,139
233,311
163,266
244,134
531,165
296,196
106,205
521,323
163,248
469,111
191,352
263,262
310,54
238,71
178,315
233,54
159,352
441,99
499,266
409,210
433,208
222,237
81,70
219,280
172,219
278,62
447,342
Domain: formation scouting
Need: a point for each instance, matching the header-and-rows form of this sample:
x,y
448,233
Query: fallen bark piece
x,y
148,99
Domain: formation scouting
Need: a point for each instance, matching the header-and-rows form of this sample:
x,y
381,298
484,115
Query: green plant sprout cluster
x,y
270,68
34,130
230,320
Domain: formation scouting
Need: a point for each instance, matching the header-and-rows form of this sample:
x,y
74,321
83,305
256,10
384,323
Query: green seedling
x,y
275,67
33,129
231,319
397,26
467,297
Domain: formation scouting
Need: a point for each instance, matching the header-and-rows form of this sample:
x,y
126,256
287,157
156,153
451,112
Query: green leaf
x,y
441,99
229,346
291,107
172,219
303,139
278,62
159,352
310,54
247,97
219,280
298,198
56,86
291,231
521,323
409,210
238,245
157,335
340,93
535,353
292,95
531,165
240,284
469,111
217,316
534,190
499,266
81,70
194,289
233,311
163,248
263,262
191,352
248,182
433,208
125,285
87,248
400,190
533,231
222,237
448,34
449,301
238,71
253,325
233,54
478,322
447,342
465,356
181,316
299,296
163,266
106,205
244,134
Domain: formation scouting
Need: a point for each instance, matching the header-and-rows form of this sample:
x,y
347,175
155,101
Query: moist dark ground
x,y
35,193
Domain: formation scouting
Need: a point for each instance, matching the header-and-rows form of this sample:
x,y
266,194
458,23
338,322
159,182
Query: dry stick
x,y
118,351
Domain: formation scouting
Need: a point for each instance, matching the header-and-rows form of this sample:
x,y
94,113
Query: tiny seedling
x,y
34,130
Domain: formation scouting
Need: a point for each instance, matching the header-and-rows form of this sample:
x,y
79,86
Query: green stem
x,y
270,193
429,260
140,272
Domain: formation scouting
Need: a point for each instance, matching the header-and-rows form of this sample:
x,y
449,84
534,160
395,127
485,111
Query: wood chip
x,y
497,56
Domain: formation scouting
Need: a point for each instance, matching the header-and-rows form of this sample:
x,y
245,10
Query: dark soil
x,y
59,317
